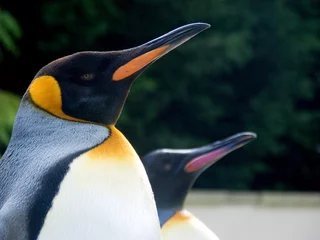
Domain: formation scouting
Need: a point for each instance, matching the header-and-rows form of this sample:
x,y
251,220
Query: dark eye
x,y
87,76
167,166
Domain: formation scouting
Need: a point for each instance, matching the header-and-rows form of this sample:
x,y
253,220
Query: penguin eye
x,y
167,167
87,76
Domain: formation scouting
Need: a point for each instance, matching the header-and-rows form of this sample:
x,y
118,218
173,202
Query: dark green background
x,y
256,69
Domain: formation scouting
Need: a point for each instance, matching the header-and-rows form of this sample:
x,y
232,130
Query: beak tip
x,y
201,26
251,135
248,137
205,25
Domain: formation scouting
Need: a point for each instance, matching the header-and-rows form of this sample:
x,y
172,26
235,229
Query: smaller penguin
x,y
172,173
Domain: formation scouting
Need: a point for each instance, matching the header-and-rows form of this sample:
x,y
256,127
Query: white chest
x,y
184,225
103,199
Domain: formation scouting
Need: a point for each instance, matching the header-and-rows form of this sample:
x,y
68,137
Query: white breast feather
x,y
103,199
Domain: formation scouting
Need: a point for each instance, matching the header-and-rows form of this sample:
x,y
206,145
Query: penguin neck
x,y
169,201
33,124
166,213
116,147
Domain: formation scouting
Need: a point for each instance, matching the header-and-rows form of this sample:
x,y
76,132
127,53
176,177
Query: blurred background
x,y
256,69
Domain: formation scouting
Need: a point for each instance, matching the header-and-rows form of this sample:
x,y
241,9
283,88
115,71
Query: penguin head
x,y
93,86
172,172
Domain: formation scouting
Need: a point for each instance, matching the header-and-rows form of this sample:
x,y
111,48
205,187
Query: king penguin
x,y
68,173
172,173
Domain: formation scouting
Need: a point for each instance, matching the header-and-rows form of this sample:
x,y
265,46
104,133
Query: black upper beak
x,y
144,55
175,37
204,157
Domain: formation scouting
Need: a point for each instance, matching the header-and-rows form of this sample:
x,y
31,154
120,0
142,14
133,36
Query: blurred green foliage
x,y
79,23
9,104
256,69
10,31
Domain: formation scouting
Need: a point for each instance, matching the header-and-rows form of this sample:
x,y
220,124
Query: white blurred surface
x,y
253,223
258,221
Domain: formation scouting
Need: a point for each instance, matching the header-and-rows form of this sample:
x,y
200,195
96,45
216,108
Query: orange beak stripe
x,y
137,63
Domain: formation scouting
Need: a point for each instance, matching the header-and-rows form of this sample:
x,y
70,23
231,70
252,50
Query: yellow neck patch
x,y
178,218
116,147
45,92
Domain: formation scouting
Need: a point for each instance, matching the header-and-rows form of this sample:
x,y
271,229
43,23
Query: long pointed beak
x,y
144,55
205,156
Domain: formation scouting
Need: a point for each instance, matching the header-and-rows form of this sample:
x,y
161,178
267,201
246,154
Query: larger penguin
x,y
172,173
68,173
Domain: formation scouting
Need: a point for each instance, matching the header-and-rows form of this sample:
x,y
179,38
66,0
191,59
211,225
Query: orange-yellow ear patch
x,y
45,92
137,63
